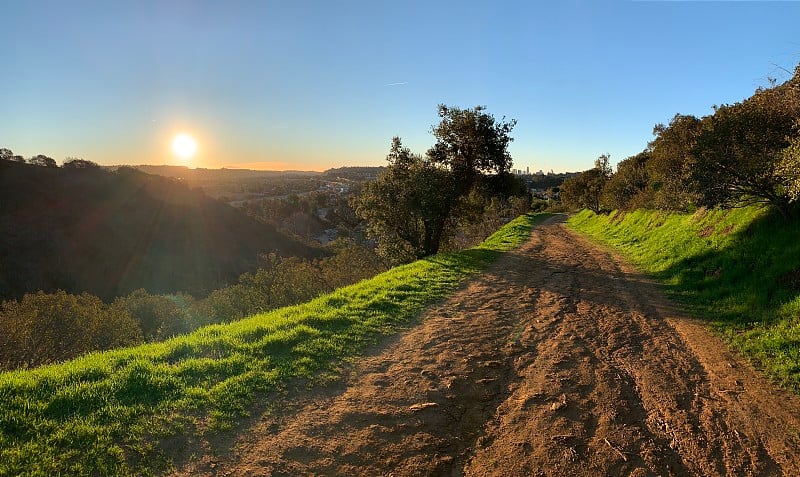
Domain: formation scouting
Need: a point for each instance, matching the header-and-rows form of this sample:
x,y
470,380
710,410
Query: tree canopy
x,y
586,190
76,163
629,183
740,146
407,207
788,169
670,163
416,202
470,142
744,153
43,161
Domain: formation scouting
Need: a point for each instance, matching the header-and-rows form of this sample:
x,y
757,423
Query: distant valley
x,y
111,232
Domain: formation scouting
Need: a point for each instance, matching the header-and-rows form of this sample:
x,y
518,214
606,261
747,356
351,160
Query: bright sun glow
x,y
184,146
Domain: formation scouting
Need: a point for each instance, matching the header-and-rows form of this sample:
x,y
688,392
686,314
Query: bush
x,y
46,327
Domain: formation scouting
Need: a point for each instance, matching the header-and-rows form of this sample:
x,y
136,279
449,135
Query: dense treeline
x,y
743,153
43,327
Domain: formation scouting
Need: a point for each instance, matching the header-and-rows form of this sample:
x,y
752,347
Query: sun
x,y
184,146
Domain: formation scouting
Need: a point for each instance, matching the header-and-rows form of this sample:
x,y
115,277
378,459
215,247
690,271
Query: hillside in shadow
x,y
108,233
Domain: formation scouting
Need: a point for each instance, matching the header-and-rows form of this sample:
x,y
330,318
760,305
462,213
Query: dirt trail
x,y
560,360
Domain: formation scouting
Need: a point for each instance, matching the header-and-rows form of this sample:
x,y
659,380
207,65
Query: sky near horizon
x,y
309,85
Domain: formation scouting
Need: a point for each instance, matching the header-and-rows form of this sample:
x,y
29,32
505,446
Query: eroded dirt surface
x,y
560,360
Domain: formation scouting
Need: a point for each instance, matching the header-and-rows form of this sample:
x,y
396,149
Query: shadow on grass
x,y
747,282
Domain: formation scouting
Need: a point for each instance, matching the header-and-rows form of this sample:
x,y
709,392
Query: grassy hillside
x,y
739,269
90,230
113,413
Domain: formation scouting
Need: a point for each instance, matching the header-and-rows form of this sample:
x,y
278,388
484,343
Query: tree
x,y
585,190
43,161
350,263
671,161
740,147
158,316
627,188
408,206
470,142
414,204
788,169
603,165
7,155
77,163
504,186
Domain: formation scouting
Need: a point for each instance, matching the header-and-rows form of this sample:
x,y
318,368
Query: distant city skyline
x,y
310,85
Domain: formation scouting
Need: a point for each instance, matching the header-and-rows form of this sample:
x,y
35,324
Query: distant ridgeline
x,y
108,233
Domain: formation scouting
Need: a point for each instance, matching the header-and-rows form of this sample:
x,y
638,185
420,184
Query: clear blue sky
x,y
314,84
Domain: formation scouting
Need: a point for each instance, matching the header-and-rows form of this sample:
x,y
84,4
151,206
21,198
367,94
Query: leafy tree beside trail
x,y
629,185
471,143
740,146
789,167
416,203
670,166
408,206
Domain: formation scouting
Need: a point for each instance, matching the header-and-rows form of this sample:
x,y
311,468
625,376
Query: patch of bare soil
x,y
560,360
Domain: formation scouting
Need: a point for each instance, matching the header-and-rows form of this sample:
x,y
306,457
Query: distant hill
x,y
356,173
229,183
108,233
198,174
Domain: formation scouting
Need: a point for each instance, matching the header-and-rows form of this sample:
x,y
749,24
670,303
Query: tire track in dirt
x,y
559,360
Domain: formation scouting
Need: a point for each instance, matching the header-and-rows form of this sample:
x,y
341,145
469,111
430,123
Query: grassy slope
x,y
106,413
740,269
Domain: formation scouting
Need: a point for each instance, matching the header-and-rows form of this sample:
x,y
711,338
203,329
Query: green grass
x,y
739,269
112,413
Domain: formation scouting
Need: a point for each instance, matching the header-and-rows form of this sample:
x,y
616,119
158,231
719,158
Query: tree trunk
x,y
784,208
433,236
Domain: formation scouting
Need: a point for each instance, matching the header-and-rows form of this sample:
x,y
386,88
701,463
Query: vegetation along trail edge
x,y
559,360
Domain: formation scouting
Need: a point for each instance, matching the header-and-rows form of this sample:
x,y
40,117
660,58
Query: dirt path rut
x,y
560,360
